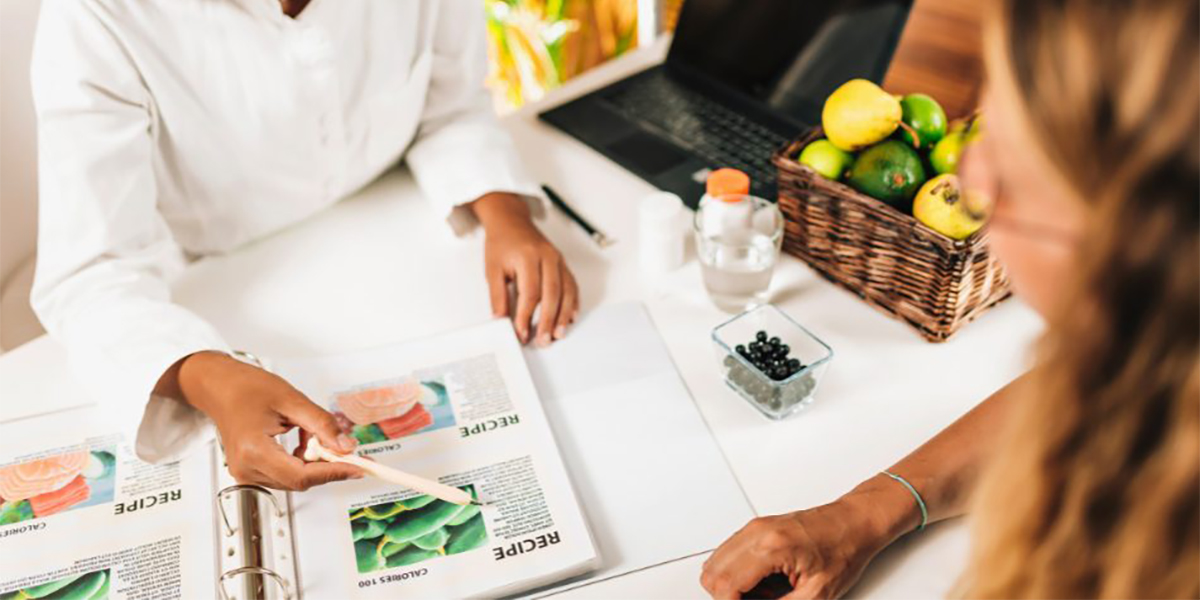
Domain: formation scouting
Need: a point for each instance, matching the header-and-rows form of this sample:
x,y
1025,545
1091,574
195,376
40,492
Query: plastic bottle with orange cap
x,y
724,198
738,238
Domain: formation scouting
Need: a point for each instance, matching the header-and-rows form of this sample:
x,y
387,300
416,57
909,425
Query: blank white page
x,y
651,477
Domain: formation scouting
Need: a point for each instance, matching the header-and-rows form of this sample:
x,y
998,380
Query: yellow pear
x,y
858,114
945,208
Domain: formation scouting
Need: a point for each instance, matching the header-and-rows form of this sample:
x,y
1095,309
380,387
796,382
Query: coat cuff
x,y
164,429
462,162
169,428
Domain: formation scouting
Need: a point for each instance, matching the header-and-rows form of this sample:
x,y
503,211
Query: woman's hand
x,y
250,407
515,251
822,551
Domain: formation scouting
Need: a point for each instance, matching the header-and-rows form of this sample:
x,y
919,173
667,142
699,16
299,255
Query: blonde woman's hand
x,y
821,551
516,252
251,406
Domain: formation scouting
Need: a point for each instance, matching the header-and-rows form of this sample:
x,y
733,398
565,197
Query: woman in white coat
x,y
174,129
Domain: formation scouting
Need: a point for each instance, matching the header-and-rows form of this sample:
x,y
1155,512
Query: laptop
x,y
742,78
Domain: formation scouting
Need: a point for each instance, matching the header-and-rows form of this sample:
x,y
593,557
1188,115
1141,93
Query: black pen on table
x,y
601,240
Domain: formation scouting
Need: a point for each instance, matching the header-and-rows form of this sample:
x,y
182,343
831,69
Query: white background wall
x,y
18,173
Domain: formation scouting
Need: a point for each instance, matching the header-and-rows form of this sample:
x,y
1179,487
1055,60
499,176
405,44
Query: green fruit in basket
x,y
945,208
890,171
858,114
923,116
825,158
945,154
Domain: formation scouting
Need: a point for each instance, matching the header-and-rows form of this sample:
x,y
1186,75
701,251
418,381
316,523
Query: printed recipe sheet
x,y
82,518
462,409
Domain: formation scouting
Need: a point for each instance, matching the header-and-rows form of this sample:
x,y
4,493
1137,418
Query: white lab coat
x,y
171,129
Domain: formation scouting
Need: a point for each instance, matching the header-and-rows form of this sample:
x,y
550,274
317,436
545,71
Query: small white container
x,y
661,233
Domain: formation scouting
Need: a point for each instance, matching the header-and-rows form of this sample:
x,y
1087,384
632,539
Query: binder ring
x,y
279,580
257,489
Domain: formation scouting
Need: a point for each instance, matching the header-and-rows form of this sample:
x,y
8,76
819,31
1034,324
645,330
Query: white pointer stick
x,y
315,451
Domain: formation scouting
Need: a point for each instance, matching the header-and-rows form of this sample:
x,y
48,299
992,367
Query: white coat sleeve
x,y
105,254
461,152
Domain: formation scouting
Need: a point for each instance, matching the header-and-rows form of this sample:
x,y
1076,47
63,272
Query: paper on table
x,y
651,478
80,510
478,426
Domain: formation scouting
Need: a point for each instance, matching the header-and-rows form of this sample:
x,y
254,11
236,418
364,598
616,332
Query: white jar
x,y
661,233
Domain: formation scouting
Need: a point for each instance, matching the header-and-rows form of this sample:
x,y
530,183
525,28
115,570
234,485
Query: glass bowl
x,y
776,399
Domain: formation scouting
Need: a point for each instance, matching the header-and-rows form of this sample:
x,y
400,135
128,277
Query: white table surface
x,y
379,268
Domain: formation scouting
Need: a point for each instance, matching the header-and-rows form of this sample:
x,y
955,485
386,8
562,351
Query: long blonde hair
x,y
1095,491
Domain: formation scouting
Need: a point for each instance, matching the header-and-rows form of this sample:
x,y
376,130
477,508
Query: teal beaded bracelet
x,y
916,495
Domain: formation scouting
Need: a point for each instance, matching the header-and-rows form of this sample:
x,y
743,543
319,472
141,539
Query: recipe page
x,y
81,517
459,408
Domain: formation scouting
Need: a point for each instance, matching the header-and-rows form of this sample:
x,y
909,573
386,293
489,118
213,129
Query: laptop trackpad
x,y
646,153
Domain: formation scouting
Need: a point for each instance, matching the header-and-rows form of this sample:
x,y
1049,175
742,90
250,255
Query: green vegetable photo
x,y
412,530
81,586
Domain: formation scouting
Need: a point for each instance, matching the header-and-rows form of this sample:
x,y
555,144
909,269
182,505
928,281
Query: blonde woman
x,y
1083,476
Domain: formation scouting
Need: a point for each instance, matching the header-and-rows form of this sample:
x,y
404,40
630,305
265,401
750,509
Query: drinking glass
x,y
738,240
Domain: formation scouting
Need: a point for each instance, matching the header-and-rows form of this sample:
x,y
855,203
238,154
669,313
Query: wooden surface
x,y
938,55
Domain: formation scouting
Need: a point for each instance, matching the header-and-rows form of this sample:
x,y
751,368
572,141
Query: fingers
x,y
740,562
551,299
498,290
265,462
291,473
317,421
320,473
733,572
570,303
528,294
299,451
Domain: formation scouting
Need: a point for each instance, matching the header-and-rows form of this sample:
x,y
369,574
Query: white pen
x,y
315,451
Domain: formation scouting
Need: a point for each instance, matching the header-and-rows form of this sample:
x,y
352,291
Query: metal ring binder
x,y
257,489
253,530
260,571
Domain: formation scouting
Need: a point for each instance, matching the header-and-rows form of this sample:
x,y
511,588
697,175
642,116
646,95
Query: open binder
x,y
116,527
460,408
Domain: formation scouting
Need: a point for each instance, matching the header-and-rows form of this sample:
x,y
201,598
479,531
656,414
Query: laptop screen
x,y
788,54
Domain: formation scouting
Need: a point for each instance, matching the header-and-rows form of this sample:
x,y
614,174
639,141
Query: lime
x,y
923,116
825,158
945,154
890,171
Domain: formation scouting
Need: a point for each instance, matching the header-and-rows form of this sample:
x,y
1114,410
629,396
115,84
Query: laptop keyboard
x,y
713,132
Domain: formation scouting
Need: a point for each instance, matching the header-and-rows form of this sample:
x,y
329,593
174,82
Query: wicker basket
x,y
886,257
